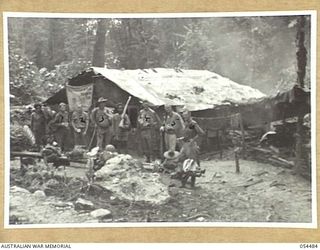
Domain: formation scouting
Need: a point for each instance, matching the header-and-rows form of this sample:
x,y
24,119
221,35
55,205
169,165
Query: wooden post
x,y
301,63
236,158
64,174
162,146
219,144
242,137
23,167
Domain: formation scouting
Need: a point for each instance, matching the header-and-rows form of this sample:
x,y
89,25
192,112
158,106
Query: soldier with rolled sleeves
x,y
191,133
173,127
102,119
147,122
121,128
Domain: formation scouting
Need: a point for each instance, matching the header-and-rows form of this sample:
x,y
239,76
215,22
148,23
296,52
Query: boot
x,y
148,159
184,179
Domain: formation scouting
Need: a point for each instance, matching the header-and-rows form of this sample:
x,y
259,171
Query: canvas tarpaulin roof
x,y
194,89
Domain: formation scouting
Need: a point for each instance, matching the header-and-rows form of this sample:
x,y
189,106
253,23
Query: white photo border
x,y
313,69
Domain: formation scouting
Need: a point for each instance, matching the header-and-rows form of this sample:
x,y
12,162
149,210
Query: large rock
x,y
15,189
26,208
119,159
39,194
16,201
126,178
101,213
117,166
82,204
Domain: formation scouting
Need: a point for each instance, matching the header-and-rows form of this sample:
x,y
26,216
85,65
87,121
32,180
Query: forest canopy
x,y
256,51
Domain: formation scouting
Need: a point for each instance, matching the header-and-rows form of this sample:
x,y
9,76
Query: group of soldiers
x,y
178,133
175,131
48,125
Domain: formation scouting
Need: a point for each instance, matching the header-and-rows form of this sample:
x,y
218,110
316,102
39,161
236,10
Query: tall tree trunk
x,y
51,44
25,29
301,71
301,52
98,57
56,53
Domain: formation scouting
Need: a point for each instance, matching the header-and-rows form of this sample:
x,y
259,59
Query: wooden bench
x,y
27,154
22,154
79,163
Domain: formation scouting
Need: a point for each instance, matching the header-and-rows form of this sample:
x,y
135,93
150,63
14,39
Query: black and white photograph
x,y
199,119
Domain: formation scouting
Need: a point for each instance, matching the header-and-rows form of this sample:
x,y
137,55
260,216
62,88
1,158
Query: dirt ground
x,y
259,193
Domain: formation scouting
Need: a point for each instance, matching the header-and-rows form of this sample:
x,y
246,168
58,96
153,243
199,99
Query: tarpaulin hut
x,y
196,90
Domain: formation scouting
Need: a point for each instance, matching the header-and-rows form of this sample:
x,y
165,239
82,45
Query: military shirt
x,y
121,134
62,119
38,121
174,124
80,120
191,130
147,118
101,117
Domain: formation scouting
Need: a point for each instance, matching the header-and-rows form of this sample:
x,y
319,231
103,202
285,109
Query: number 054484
x,y
310,245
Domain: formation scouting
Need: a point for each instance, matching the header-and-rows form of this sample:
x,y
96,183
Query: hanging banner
x,y
79,95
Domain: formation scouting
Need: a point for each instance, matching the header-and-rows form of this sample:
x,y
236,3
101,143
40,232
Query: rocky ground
x,y
259,193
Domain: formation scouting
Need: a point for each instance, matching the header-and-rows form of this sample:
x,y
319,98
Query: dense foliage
x,y
255,51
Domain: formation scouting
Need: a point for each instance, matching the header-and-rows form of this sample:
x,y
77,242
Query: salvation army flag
x,y
79,95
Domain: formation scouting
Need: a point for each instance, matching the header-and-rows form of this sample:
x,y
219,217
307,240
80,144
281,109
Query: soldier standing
x,y
80,124
121,126
102,120
60,124
147,121
38,125
49,114
191,133
173,127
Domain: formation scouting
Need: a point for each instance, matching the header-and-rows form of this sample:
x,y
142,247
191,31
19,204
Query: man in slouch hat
x,y
102,119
